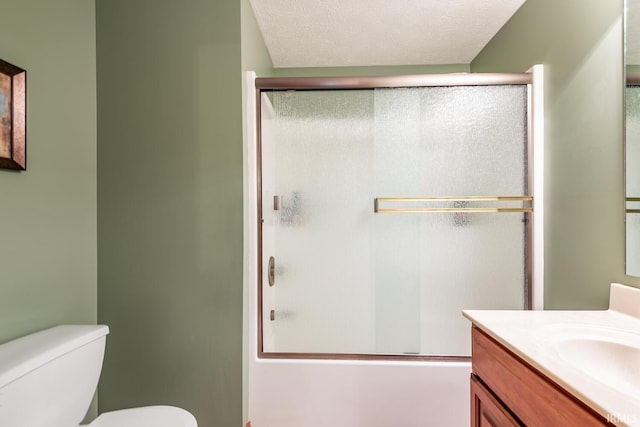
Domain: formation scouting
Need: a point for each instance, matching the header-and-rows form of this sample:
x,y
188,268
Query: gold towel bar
x,y
527,201
632,199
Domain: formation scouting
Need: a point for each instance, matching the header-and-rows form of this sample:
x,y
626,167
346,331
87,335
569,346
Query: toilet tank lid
x,y
22,355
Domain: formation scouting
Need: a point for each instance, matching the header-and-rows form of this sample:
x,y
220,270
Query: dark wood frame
x,y
14,118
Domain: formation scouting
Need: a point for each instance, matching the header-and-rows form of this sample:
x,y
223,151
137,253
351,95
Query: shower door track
x,y
267,84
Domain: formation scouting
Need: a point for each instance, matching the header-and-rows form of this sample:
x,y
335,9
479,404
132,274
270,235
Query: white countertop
x,y
535,336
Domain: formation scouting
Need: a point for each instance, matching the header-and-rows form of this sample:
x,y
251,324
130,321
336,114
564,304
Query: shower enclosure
x,y
386,206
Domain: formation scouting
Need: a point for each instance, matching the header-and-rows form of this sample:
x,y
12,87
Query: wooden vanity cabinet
x,y
486,409
507,391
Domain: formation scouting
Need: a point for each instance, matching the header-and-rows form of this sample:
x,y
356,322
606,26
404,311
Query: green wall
x,y
48,252
580,43
170,205
378,70
255,56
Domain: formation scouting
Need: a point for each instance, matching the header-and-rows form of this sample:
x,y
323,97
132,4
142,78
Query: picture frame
x,y
13,125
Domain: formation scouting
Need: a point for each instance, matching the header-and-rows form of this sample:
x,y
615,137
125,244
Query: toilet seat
x,y
146,416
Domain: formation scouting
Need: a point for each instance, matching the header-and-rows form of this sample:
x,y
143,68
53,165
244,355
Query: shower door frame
x,y
267,84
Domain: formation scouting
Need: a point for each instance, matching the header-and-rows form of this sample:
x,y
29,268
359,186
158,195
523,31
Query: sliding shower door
x,y
384,212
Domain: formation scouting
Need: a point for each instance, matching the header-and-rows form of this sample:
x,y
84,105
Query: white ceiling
x,y
334,33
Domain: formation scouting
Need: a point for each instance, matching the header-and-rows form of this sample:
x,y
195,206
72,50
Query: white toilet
x,y
48,379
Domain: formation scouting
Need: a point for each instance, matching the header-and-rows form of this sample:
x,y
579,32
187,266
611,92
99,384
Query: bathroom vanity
x,y
505,390
564,368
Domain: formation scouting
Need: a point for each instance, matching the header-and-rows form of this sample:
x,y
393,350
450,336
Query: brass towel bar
x,y
527,202
632,199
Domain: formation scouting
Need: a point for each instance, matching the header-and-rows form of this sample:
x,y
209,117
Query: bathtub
x,y
319,393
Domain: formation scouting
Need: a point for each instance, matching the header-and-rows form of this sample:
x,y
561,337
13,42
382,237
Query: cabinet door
x,y
486,410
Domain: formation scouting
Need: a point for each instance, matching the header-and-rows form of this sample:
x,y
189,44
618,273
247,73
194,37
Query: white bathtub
x,y
317,393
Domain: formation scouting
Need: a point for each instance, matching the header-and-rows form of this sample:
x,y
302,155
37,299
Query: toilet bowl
x,y
47,379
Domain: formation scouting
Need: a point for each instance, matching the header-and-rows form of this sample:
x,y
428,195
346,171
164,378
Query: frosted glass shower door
x,y
350,280
447,142
319,146
632,180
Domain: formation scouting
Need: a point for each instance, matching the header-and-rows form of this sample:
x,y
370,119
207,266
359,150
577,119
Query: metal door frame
x,y
269,84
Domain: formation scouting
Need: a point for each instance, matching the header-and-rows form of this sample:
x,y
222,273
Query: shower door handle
x,y
271,271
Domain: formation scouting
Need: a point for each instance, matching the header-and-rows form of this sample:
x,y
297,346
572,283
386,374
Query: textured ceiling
x,y
334,33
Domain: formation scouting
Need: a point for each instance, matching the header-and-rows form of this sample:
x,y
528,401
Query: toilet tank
x,y
47,379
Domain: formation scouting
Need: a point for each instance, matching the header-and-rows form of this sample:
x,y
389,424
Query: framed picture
x,y
13,125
